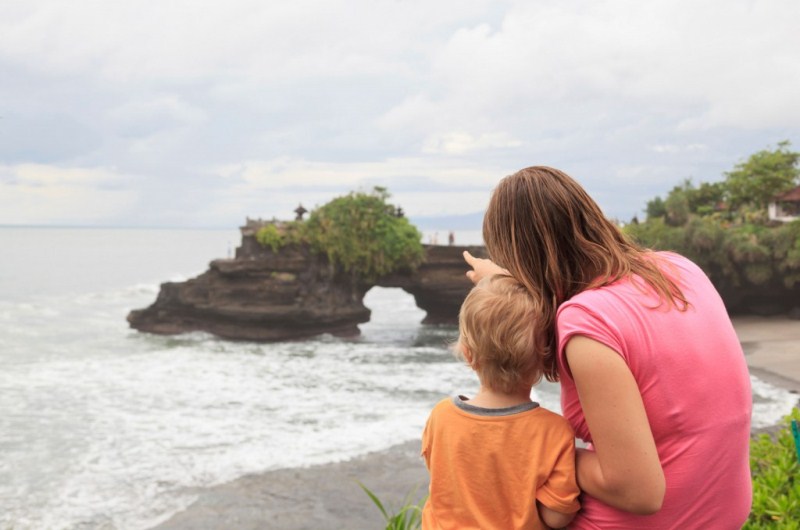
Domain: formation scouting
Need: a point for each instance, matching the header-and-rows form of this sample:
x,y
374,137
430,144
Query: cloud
x,y
42,194
189,39
423,187
457,143
207,112
295,173
734,60
141,116
675,148
41,175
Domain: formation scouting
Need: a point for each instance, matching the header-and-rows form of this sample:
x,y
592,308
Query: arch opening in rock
x,y
391,308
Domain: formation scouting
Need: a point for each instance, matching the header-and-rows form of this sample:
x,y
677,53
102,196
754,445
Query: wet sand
x,y
772,348
328,497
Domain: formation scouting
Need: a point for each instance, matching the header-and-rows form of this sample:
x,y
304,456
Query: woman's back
x,y
695,386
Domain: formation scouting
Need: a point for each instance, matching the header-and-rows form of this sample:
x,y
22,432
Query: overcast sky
x,y
196,114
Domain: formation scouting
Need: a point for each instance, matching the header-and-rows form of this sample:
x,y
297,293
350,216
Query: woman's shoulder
x,y
679,268
674,259
676,267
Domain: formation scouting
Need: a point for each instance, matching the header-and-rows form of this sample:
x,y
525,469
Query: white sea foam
x,y
129,423
104,427
770,404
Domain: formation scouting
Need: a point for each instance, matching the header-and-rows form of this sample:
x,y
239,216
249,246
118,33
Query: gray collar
x,y
459,401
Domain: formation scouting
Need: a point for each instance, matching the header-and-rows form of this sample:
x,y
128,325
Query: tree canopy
x,y
761,177
744,193
360,232
724,227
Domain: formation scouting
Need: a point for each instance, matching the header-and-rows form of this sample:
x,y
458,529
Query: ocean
x,y
103,427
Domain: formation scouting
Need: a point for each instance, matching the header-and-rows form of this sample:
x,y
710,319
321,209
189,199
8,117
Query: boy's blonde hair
x,y
499,325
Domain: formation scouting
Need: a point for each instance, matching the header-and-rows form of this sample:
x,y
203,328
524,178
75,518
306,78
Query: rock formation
x,y
262,295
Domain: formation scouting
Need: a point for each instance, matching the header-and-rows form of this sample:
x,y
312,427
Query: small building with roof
x,y
785,207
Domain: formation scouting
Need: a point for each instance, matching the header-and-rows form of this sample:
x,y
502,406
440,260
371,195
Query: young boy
x,y
499,460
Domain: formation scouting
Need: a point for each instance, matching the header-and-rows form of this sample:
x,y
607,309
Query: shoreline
x,y
772,349
328,497
320,497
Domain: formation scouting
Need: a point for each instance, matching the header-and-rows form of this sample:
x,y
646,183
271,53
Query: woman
x,y
652,374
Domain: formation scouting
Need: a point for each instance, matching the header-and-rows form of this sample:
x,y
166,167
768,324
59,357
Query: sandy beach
x,y
325,497
328,497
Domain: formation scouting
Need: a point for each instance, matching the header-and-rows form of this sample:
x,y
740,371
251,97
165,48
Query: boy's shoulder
x,y
549,413
446,414
442,406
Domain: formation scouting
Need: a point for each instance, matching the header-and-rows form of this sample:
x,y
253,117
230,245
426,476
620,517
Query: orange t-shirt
x,y
488,467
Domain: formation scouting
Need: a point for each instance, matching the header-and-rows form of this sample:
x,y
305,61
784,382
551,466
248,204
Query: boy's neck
x,y
491,399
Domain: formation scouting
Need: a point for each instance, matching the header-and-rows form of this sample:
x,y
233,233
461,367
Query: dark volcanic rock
x,y
440,284
288,295
293,294
266,296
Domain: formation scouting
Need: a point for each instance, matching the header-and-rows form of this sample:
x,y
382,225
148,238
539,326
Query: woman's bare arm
x,y
481,267
624,470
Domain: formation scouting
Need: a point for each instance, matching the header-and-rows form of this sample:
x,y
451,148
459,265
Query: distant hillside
x,y
469,221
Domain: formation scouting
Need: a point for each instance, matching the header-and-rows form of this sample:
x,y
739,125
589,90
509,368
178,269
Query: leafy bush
x,y
776,480
731,254
361,233
278,234
270,236
724,226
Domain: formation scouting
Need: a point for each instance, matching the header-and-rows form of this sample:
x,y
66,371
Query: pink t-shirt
x,y
694,381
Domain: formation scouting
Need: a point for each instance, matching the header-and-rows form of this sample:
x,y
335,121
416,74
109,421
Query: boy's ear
x,y
468,356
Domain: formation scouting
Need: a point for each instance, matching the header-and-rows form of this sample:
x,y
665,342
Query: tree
x,y
706,198
686,199
677,204
364,235
761,177
656,209
739,252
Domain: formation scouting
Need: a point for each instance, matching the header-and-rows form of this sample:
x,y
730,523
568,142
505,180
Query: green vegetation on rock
x,y
277,235
359,232
270,236
362,233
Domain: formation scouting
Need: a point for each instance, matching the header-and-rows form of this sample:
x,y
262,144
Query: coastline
x,y
328,497
772,349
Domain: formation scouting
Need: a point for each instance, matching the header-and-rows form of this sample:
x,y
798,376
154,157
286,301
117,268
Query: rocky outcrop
x,y
292,294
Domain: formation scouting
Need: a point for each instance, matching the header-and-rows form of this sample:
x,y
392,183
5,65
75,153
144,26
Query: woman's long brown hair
x,y
544,228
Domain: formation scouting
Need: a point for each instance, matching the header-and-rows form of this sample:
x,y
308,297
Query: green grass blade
x,y
375,500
